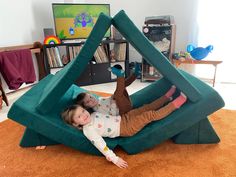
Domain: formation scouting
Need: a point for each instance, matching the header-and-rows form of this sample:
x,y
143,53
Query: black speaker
x,y
48,32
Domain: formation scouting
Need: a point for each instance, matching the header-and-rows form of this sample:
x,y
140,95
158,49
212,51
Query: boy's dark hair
x,y
90,110
80,99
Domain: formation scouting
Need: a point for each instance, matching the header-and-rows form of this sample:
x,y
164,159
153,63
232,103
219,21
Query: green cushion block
x,y
200,133
153,56
61,82
32,139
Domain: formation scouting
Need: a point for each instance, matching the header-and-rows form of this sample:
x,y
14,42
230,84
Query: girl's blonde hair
x,y
68,114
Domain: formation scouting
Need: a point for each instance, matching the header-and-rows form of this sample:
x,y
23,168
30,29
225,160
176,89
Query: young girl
x,y
98,125
119,103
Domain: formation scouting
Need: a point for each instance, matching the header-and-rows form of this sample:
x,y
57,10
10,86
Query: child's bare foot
x,y
180,100
170,92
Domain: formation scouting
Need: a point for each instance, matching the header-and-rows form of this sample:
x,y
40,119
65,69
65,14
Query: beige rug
x,y
165,160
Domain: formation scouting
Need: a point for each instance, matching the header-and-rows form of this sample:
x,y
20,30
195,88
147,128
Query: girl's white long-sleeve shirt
x,y
103,125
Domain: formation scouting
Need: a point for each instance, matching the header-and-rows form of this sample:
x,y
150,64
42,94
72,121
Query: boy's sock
x,y
117,70
180,100
170,92
137,70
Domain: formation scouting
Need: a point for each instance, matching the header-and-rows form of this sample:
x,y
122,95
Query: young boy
x,y
119,103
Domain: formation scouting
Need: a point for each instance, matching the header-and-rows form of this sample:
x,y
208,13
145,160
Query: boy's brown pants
x,y
133,121
121,95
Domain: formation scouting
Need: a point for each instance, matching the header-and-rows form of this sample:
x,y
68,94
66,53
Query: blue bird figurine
x,y
199,53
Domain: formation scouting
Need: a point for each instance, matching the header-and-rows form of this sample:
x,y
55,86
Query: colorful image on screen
x,y
75,21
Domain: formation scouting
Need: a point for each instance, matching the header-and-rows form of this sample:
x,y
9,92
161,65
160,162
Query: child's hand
x,y
121,163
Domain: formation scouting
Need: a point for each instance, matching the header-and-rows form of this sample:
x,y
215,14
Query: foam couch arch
x,y
45,127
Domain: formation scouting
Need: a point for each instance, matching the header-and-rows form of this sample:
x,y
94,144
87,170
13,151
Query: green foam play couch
x,y
39,109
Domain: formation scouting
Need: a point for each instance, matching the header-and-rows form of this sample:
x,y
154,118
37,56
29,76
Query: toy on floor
x,y
199,53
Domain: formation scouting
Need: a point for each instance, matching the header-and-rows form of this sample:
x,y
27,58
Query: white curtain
x,y
217,26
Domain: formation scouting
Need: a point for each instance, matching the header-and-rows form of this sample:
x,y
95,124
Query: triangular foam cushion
x,y
65,78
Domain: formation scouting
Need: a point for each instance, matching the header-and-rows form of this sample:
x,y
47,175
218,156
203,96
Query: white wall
x,y
22,22
220,35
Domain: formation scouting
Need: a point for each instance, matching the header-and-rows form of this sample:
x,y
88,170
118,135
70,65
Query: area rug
x,y
164,160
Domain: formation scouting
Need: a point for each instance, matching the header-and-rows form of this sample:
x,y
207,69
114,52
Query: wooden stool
x,y
177,63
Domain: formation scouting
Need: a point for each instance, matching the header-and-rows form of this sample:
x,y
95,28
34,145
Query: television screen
x,y
75,21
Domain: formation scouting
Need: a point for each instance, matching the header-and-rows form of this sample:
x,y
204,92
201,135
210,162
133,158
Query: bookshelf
x,y
108,53
163,38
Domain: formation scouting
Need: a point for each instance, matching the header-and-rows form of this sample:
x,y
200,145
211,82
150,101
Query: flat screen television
x,y
75,21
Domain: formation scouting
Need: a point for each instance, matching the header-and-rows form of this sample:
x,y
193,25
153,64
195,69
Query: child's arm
x,y
100,144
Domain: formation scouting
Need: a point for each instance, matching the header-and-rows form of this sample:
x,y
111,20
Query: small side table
x,y
177,63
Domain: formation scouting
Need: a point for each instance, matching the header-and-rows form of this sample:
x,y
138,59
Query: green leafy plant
x,y
62,35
